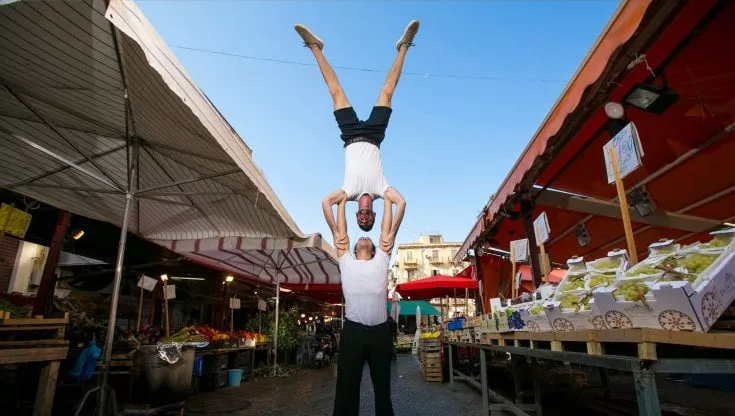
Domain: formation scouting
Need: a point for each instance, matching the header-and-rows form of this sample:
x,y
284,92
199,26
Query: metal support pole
x,y
275,334
605,380
646,393
112,318
516,380
483,381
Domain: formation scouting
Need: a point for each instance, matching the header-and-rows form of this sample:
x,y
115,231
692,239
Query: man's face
x,y
365,219
366,245
365,213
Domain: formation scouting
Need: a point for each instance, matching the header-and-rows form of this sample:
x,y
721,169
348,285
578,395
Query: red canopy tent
x,y
438,286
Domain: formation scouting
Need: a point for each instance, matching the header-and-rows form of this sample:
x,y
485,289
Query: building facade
x,y
429,256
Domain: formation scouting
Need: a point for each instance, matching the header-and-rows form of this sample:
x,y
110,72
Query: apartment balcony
x,y
410,264
438,260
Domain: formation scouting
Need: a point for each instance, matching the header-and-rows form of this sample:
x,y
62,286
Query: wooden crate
x,y
30,340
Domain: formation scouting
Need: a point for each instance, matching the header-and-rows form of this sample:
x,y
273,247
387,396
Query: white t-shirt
x,y
365,287
363,171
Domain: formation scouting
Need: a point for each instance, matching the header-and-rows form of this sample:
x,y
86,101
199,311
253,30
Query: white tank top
x,y
365,287
363,171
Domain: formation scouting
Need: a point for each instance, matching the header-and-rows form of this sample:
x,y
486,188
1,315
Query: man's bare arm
x,y
341,238
387,238
395,197
333,198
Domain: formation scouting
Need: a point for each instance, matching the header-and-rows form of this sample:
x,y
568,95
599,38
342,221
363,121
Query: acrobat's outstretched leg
x,y
316,45
405,41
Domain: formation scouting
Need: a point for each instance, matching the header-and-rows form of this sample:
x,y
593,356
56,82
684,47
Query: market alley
x,y
310,392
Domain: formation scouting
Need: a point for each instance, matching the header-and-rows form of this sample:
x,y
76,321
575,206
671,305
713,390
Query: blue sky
x,y
450,142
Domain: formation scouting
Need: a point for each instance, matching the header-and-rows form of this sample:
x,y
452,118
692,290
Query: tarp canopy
x,y
438,286
687,148
305,262
95,109
408,308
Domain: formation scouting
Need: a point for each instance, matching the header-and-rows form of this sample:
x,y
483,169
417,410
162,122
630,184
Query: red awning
x,y
555,276
436,287
468,272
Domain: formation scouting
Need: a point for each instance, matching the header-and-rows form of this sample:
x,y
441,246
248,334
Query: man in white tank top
x,y
366,334
364,180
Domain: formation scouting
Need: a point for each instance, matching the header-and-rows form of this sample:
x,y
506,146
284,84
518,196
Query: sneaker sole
x,y
406,33
308,37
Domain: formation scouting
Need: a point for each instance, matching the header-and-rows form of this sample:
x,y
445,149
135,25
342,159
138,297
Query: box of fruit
x,y
534,316
675,288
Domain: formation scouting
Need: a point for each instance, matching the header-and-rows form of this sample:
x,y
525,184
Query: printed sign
x,y
519,250
261,304
541,225
147,283
234,303
170,292
14,221
518,280
628,151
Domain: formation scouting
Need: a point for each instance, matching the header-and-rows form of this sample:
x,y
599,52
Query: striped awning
x,y
91,94
306,262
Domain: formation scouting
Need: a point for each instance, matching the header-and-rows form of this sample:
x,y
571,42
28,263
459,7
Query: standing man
x,y
366,336
364,180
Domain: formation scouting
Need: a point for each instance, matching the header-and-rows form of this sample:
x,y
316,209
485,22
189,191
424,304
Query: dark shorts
x,y
355,130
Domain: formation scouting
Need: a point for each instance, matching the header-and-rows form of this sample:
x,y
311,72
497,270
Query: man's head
x,y
365,213
364,249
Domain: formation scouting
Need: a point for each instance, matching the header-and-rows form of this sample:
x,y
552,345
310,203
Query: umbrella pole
x,y
275,334
109,337
466,302
455,300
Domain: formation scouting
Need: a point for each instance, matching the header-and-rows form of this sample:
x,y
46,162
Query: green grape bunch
x,y
597,280
642,271
608,264
574,302
632,291
573,284
536,309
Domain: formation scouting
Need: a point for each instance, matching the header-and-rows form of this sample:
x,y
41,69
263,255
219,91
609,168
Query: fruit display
x,y
514,319
577,302
536,309
688,267
577,266
601,279
572,283
720,241
663,247
642,270
430,335
632,291
186,334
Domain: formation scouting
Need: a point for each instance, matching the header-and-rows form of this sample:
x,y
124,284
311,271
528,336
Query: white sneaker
x,y
408,34
309,38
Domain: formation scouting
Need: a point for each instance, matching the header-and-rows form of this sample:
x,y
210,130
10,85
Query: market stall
x,y
624,185
123,135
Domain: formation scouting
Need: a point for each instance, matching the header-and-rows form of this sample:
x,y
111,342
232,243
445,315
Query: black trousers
x,y
361,344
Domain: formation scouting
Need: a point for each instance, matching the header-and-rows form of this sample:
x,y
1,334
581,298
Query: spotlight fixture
x,y
229,278
186,278
164,277
583,236
303,315
641,201
652,99
79,234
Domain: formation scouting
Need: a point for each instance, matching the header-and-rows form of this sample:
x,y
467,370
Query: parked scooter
x,y
324,352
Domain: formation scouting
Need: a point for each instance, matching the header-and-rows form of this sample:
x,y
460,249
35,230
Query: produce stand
x,y
649,354
33,340
218,360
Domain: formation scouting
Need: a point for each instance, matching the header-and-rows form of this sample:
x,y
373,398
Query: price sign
x,y
170,292
261,305
519,248
147,283
234,303
541,225
628,150
14,221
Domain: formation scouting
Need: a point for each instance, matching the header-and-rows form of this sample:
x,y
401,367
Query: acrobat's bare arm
x,y
337,225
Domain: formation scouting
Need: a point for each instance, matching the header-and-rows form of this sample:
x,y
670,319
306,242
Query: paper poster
x,y
628,150
147,283
517,282
519,250
541,225
170,292
261,304
234,303
14,221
